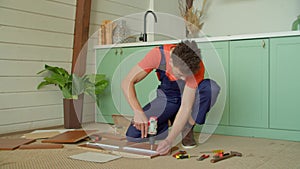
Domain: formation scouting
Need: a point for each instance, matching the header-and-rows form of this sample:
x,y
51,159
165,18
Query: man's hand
x,y
141,123
164,147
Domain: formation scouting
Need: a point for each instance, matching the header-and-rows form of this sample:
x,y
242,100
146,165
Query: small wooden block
x,y
41,146
11,144
70,136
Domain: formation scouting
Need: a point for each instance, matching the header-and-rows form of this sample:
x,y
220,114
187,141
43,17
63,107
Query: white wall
x,y
32,33
232,17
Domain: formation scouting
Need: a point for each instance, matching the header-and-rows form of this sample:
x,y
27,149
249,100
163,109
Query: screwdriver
x,y
184,156
201,158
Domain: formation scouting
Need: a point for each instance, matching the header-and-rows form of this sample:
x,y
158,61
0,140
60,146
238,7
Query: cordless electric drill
x,y
152,130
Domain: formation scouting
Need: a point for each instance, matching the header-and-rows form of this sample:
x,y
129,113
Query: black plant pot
x,y
73,113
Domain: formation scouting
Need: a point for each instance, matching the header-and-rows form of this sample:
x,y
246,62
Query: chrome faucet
x,y
143,37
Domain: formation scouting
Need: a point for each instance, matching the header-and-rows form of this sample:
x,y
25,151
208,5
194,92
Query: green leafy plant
x,y
72,85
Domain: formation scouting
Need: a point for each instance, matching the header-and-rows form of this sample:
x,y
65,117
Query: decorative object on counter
x,y
296,24
73,87
105,32
120,31
194,18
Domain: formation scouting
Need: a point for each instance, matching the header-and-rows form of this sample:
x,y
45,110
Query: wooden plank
x,y
15,127
41,7
26,99
26,68
26,84
33,21
30,114
21,84
120,8
71,2
34,37
81,35
41,146
34,53
11,144
69,136
41,113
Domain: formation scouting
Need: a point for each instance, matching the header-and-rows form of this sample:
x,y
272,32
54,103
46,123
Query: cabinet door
x,y
249,83
215,58
107,62
285,83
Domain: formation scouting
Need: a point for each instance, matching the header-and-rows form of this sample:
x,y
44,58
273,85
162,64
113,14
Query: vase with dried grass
x,y
194,18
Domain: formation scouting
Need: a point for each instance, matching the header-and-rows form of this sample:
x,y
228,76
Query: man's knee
x,y
210,90
215,90
133,135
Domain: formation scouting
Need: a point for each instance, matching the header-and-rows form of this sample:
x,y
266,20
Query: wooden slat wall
x,y
38,32
32,33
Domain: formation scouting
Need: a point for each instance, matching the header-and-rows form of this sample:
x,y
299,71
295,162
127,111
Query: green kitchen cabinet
x,y
115,63
216,58
107,61
249,80
285,83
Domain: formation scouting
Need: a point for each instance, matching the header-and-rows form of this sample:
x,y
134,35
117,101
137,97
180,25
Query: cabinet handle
x,y
121,51
263,44
116,51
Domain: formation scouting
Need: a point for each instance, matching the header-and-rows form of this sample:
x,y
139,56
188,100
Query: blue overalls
x,y
168,100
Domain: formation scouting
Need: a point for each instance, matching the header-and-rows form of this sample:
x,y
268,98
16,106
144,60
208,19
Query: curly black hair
x,y
187,56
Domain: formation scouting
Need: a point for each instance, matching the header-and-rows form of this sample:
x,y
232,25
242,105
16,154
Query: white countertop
x,y
205,39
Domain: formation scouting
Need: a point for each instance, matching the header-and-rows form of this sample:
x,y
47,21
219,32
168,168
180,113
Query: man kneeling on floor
x,y
183,96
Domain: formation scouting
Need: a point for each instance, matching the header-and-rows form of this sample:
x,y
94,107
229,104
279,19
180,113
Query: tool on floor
x,y
218,155
178,153
231,154
184,156
213,151
202,157
152,130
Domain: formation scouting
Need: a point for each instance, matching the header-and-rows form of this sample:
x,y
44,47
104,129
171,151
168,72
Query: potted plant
x,y
73,88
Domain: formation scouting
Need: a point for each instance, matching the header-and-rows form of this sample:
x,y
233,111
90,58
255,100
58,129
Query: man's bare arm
x,y
135,75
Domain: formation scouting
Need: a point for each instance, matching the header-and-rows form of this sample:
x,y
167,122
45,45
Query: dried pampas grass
x,y
193,16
